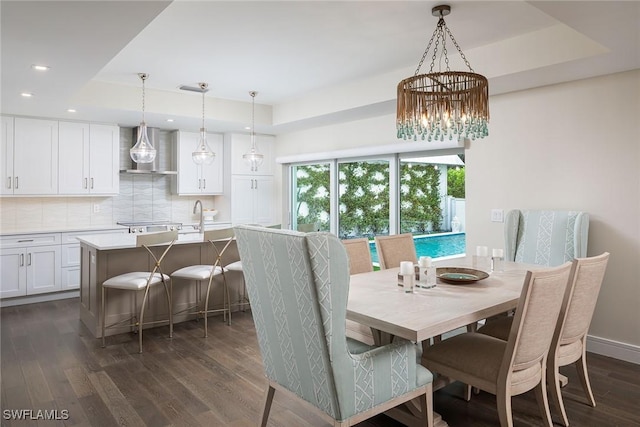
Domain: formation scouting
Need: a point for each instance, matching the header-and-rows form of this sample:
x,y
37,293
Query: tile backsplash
x,y
142,198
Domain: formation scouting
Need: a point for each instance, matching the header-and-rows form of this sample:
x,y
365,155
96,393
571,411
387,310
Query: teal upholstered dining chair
x,y
298,285
545,237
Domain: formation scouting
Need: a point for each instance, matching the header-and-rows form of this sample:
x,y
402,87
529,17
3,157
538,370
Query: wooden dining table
x,y
376,300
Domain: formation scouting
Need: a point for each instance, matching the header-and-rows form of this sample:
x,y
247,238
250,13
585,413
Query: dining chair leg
x,y
583,374
266,408
426,406
553,384
104,307
543,403
503,400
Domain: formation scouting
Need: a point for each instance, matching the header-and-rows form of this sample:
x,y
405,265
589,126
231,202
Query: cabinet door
x,y
6,156
43,269
264,201
13,279
35,156
73,162
212,175
104,176
189,181
242,199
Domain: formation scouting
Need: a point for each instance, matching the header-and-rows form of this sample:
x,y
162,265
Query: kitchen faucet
x,y
201,224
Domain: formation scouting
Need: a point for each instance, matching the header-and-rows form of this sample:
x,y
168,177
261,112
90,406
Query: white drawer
x,y
25,240
70,238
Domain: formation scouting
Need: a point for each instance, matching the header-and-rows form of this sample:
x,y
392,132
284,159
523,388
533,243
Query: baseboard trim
x,y
615,349
32,299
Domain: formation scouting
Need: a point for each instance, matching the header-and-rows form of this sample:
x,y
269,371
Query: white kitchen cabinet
x,y
30,265
252,200
193,179
6,162
239,144
88,161
35,157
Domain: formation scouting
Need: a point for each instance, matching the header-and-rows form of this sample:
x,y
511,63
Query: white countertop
x,y
105,242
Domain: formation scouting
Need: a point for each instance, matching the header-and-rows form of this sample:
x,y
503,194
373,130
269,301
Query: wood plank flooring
x,y
51,362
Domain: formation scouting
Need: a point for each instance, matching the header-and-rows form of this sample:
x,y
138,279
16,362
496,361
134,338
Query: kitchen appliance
x,y
161,164
151,226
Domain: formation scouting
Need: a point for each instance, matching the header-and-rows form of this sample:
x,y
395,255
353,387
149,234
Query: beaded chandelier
x,y
443,104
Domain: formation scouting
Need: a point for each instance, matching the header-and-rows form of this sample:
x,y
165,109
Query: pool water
x,y
434,246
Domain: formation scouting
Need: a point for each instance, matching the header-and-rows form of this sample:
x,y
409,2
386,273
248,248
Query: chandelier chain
x,y
455,43
426,51
143,77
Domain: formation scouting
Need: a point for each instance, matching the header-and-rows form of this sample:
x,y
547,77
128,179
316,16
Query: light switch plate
x,y
497,215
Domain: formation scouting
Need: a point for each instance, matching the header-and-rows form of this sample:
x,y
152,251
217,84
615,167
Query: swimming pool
x,y
435,246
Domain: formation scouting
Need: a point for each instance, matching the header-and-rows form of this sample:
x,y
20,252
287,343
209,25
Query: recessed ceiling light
x,y
247,127
71,110
170,120
40,67
26,94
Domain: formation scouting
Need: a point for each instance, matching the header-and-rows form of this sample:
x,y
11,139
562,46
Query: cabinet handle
x,y
256,184
25,241
252,184
85,183
92,183
9,182
29,258
21,260
204,183
199,184
16,182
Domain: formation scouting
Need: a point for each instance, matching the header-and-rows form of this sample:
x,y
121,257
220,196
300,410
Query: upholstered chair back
x,y
588,277
394,249
359,255
536,318
298,285
548,238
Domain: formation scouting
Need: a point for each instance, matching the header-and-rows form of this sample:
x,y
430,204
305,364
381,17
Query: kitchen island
x,y
107,255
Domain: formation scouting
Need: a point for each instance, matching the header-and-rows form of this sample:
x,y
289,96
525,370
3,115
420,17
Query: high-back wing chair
x,y
298,285
569,345
512,367
548,238
394,249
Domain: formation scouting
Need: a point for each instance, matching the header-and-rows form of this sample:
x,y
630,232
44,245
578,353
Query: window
x,y
365,197
363,202
311,197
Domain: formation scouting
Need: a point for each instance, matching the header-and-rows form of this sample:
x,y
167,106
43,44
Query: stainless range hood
x,y
161,165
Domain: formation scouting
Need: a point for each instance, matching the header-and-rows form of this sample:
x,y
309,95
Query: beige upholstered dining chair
x,y
359,254
207,272
394,249
512,367
141,281
299,289
569,343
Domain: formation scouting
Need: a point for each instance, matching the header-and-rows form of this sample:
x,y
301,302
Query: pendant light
x,y
443,103
203,153
143,151
253,158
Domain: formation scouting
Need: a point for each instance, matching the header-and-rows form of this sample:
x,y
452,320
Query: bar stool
x,y
207,272
141,281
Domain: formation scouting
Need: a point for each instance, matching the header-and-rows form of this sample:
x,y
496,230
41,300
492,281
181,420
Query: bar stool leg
x,y
104,307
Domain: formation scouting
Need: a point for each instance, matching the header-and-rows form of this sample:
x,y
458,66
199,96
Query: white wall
x,y
569,146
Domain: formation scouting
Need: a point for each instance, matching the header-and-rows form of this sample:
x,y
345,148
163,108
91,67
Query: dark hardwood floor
x,y
51,362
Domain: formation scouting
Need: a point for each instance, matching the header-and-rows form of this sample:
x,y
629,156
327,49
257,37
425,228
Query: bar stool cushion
x,y
234,266
196,272
135,280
